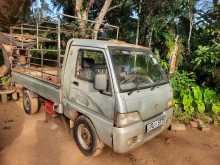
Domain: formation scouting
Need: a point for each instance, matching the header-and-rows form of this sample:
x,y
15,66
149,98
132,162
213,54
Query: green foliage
x,y
198,98
191,98
182,81
169,41
187,101
164,65
216,107
206,58
197,93
5,82
182,116
209,96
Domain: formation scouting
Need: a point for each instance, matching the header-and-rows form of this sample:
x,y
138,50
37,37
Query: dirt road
x,y
28,140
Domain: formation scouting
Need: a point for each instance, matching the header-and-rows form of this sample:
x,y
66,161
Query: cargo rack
x,y
42,44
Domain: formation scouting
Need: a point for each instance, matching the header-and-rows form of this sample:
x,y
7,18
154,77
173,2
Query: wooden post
x,y
15,96
4,98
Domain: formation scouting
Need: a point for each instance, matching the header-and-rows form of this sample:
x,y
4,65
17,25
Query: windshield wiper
x,y
152,87
132,90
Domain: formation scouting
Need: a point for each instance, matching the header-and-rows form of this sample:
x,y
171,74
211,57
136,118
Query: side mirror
x,y
100,82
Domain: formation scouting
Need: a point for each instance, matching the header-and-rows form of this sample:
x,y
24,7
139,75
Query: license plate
x,y
155,124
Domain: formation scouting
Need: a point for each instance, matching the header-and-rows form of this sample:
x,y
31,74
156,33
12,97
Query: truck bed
x,y
46,84
48,74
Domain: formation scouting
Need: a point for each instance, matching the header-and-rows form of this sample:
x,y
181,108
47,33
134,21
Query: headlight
x,y
125,119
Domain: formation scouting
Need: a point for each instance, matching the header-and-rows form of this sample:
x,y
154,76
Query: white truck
x,y
113,93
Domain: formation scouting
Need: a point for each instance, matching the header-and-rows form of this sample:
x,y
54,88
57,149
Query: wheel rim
x,y
26,104
84,136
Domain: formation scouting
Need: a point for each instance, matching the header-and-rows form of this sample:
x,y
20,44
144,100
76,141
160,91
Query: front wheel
x,y
30,103
86,137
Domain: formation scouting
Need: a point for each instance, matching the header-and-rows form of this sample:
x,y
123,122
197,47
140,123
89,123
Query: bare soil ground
x,y
29,140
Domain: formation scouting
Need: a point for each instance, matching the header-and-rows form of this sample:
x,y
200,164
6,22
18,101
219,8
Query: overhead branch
x,y
114,7
101,16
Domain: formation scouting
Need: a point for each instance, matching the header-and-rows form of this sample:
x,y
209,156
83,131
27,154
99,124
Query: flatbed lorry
x,y
113,93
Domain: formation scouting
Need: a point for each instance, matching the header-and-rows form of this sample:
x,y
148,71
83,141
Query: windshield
x,y
136,68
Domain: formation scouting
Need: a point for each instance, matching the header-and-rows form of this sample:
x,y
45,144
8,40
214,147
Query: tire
x,y
86,137
30,103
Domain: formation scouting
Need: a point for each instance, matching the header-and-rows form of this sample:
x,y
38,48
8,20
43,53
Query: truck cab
x,y
115,93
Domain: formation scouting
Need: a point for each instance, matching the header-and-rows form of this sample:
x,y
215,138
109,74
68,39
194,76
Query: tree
x,y
40,10
11,12
81,11
157,16
101,16
190,13
122,14
81,8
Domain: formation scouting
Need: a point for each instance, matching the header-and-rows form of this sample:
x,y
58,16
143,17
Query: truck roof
x,y
104,43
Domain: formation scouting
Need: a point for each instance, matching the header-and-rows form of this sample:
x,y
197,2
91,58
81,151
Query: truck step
x,y
8,94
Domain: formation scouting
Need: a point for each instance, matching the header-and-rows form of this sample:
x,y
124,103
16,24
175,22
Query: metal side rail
x,y
40,87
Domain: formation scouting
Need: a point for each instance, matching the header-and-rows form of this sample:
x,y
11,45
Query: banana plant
x,y
198,99
216,108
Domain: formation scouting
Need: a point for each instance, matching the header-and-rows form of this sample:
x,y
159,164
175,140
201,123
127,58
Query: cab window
x,y
89,63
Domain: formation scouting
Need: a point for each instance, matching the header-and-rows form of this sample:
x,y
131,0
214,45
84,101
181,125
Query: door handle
x,y
76,83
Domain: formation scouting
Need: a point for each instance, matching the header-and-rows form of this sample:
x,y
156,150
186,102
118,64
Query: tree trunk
x,y
150,36
78,8
82,14
175,55
216,7
190,27
7,53
11,11
101,16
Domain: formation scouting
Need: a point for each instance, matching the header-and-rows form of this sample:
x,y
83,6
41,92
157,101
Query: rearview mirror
x,y
100,82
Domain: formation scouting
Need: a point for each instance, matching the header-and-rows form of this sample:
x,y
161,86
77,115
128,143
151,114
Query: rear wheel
x,y
86,137
30,102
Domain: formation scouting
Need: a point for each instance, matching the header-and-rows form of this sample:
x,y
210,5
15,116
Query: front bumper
x,y
128,138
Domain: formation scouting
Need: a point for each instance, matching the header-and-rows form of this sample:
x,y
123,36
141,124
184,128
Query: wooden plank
x,y
15,96
4,98
5,93
9,91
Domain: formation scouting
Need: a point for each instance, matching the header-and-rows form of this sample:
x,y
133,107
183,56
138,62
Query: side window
x,y
89,63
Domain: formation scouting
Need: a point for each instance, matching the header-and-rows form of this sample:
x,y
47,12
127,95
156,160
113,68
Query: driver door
x,y
89,62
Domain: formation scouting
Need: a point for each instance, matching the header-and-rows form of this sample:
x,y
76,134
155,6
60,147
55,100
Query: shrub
x,y
191,99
